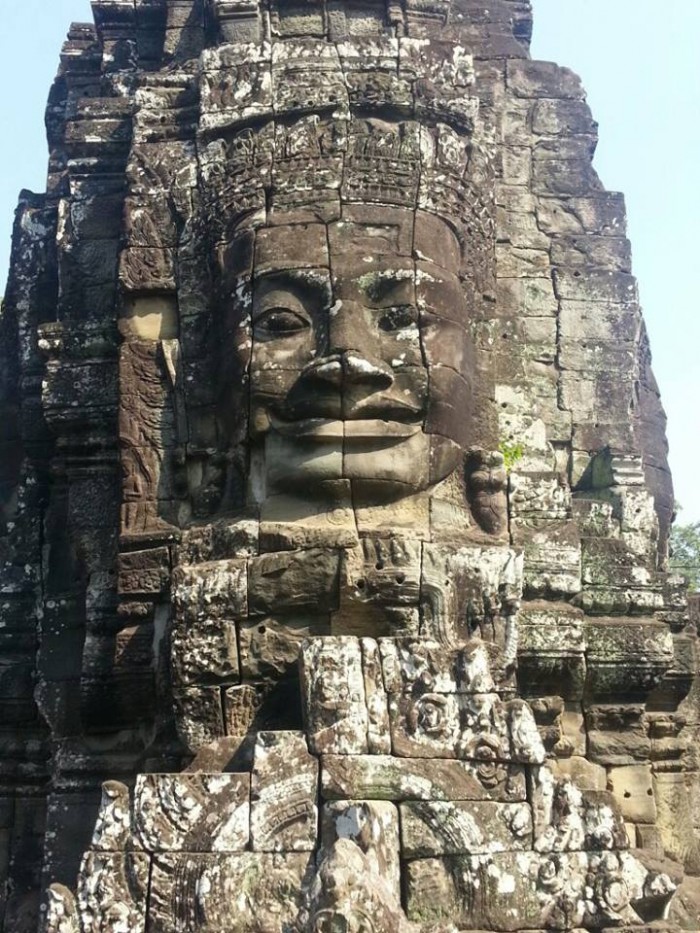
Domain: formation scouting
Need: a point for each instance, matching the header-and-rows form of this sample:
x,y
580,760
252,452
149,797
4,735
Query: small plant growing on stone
x,y
512,451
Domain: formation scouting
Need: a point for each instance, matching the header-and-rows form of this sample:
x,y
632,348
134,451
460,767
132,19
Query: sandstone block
x,y
198,714
284,790
373,825
269,646
532,79
632,788
294,580
388,778
437,828
562,117
617,287
192,812
197,891
378,729
333,690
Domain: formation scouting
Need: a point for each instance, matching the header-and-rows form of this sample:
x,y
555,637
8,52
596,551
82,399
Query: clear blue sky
x,y
638,61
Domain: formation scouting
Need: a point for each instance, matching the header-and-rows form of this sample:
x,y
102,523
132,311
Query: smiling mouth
x,y
359,429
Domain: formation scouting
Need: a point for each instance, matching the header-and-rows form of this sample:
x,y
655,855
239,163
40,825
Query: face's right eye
x,y
280,322
398,318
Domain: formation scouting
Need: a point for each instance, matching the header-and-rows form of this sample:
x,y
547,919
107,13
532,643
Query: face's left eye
x,y
397,318
280,322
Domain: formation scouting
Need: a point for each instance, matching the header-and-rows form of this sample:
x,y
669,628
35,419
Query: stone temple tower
x,y
334,501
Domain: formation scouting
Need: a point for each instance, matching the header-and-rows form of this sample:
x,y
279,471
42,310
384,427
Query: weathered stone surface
x,y
199,715
437,828
269,647
207,601
113,886
385,777
347,890
334,694
507,891
286,581
361,821
471,726
284,791
631,785
199,889
378,730
61,911
113,822
192,812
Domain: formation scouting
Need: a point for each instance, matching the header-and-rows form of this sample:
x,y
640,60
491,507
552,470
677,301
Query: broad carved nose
x,y
357,368
349,368
350,329
350,352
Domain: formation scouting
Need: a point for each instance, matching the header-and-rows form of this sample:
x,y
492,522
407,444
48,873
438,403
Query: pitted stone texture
x,y
360,247
410,664
389,778
269,646
569,820
334,694
192,812
440,701
380,579
552,649
112,890
199,891
207,600
113,822
436,828
373,825
284,792
198,715
465,726
510,891
632,788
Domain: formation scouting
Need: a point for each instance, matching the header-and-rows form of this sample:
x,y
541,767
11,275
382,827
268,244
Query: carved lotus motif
x,y
429,715
550,877
614,892
486,750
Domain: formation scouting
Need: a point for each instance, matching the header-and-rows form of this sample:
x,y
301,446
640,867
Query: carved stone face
x,y
360,355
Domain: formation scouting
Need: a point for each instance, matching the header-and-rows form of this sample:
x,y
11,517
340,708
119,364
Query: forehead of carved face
x,y
356,336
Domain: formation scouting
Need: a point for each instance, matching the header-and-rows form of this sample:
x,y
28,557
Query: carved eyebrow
x,y
376,285
319,280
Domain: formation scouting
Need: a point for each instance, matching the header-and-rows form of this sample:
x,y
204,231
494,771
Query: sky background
x,y
638,61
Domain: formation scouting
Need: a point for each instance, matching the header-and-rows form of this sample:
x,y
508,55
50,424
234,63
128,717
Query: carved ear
x,y
486,480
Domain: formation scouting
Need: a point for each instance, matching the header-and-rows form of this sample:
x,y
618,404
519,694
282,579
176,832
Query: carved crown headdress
x,y
306,121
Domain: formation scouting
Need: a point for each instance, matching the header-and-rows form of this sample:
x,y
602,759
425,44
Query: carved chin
x,y
380,462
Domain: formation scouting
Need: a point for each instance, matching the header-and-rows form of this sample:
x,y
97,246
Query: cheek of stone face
x,y
447,343
401,349
449,411
269,389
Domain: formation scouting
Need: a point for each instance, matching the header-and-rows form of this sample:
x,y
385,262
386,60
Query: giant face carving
x,y
360,354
